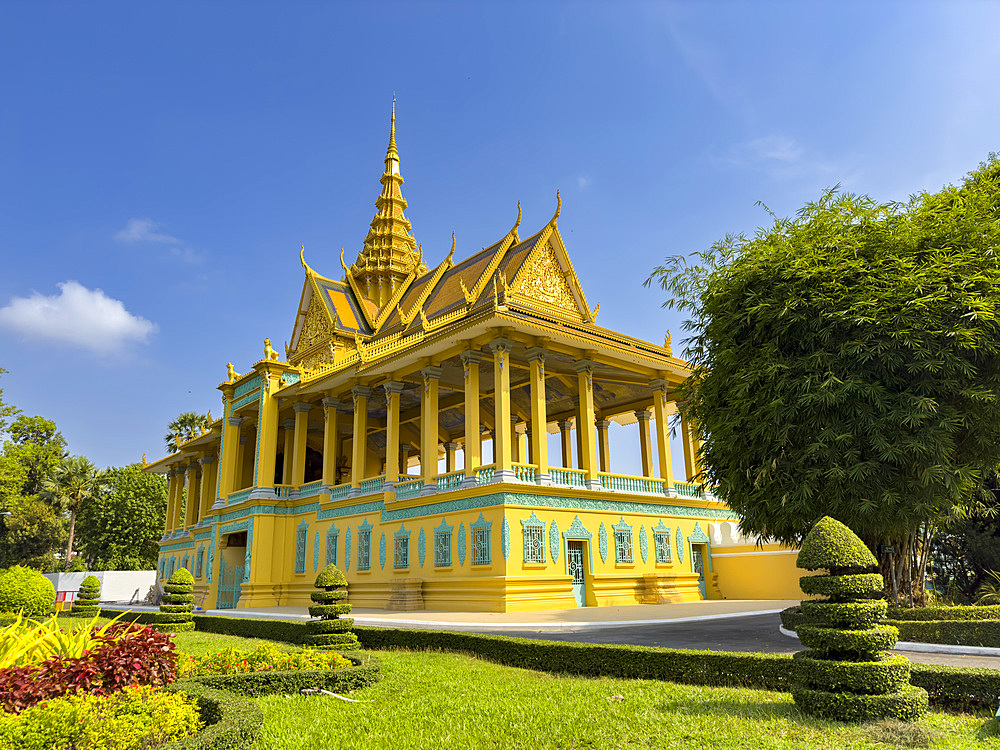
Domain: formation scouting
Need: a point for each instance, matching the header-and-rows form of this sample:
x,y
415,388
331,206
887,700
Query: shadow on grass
x,y
987,730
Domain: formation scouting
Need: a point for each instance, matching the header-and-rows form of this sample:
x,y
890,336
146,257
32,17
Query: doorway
x,y
574,565
698,566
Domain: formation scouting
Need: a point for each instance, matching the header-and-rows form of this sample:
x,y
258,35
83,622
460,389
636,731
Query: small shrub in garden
x,y
178,604
132,719
846,674
264,658
27,591
25,642
88,601
330,630
127,654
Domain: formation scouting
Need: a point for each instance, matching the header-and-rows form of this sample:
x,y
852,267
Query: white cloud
x,y
86,318
583,182
783,158
141,230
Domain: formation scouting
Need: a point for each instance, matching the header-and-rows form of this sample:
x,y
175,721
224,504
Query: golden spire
x,y
390,253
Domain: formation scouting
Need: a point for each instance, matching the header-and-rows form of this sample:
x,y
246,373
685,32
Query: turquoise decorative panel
x,y
643,543
211,558
533,533
347,549
554,541
577,530
698,536
316,553
602,542
479,533
505,538
679,541
461,544
421,546
381,550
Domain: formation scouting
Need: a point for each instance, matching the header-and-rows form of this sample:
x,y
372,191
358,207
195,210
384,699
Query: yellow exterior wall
x,y
752,573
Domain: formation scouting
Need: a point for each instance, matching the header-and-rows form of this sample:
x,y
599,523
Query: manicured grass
x,y
199,644
434,700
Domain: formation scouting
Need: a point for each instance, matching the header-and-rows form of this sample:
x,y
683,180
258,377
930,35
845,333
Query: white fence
x,y
116,585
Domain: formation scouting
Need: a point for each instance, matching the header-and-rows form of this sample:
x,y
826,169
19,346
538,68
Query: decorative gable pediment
x,y
542,279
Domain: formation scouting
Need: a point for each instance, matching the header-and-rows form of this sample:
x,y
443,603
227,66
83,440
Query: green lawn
x,y
442,701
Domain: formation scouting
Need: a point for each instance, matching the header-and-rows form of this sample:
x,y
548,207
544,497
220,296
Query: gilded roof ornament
x,y
231,373
470,297
555,216
667,344
452,253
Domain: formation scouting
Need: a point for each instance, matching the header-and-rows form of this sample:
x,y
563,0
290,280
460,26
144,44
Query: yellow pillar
x,y
539,420
207,486
429,423
300,441
330,442
566,443
361,395
585,426
392,391
603,444
404,460
501,399
515,440
176,517
287,450
193,495
692,445
239,473
267,440
449,456
230,458
473,435
645,442
660,388
171,500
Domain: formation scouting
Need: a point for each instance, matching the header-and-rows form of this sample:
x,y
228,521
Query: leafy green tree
x,y
6,410
30,534
38,446
120,525
72,483
186,426
846,363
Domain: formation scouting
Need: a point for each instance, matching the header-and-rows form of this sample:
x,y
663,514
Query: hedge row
x,y
285,631
951,632
366,671
959,688
989,612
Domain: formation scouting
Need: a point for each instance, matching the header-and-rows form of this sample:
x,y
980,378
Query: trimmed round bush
x,y
26,590
885,674
843,588
830,545
331,630
88,601
175,615
840,640
906,704
858,614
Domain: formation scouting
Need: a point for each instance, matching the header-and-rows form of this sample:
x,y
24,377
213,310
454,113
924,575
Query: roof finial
x,y
518,222
392,126
558,208
452,253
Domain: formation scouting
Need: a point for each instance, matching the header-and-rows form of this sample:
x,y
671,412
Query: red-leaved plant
x,y
129,654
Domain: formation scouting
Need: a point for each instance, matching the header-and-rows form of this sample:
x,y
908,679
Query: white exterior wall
x,y
116,585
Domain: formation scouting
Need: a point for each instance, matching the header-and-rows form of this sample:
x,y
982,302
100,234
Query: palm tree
x,y
186,426
70,484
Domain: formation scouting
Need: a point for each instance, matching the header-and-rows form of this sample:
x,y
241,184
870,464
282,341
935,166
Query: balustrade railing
x,y
484,474
525,472
369,486
283,491
568,477
450,481
239,496
340,492
409,488
687,489
311,489
628,483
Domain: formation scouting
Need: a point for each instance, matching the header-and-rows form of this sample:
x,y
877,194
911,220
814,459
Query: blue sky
x,y
161,163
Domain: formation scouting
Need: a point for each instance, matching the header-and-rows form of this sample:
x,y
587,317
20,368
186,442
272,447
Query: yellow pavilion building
x,y
346,449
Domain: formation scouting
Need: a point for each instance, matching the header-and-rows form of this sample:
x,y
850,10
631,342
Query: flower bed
x,y
265,658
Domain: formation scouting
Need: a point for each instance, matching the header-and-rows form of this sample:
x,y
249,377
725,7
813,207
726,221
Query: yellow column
x,y
645,442
501,399
429,418
175,516
603,444
287,450
566,443
267,441
692,445
392,391
660,388
515,440
473,435
193,495
585,426
229,458
207,486
300,441
449,456
361,395
330,443
404,460
171,499
239,474
539,420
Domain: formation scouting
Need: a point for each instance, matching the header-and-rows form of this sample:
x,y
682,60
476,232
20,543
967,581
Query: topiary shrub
x,y
26,590
846,674
88,601
330,630
175,614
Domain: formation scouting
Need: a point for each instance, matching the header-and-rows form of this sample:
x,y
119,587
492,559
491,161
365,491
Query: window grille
x,y
300,549
364,549
661,540
199,563
331,546
442,549
623,546
534,544
401,551
481,546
